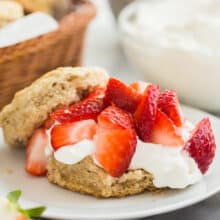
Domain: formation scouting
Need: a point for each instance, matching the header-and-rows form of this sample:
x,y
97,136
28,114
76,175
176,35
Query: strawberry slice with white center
x,y
169,104
115,141
146,111
114,150
114,117
36,158
89,108
201,146
140,86
71,133
164,131
121,95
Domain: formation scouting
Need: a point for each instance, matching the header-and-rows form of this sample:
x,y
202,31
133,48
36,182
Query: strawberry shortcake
x,y
96,135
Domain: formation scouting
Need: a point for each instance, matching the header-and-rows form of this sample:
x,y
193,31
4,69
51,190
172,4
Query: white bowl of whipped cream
x,y
177,45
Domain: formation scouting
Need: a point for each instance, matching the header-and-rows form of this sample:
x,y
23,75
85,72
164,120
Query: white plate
x,y
63,204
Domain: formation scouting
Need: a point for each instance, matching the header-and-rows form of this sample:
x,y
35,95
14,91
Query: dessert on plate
x,y
96,135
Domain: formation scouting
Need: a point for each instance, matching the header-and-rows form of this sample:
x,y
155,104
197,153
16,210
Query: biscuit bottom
x,y
87,178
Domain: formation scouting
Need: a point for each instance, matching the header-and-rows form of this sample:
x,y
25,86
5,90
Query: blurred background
x,y
184,56
103,45
168,42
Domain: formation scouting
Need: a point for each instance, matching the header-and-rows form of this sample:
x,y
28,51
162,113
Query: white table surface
x,y
103,49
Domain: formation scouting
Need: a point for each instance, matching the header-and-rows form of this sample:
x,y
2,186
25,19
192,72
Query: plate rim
x,y
133,215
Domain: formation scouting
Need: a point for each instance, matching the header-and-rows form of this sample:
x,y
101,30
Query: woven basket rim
x,y
85,10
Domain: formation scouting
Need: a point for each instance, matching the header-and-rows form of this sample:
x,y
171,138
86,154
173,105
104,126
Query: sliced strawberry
x,y
36,158
115,140
169,104
145,113
97,93
88,108
71,133
123,96
113,117
139,86
201,146
114,150
164,131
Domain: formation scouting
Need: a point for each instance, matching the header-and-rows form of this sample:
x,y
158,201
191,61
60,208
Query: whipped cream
x,y
170,166
189,24
74,153
185,131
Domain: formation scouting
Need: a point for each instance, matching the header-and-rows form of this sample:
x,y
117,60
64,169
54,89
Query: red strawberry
x,y
164,131
139,86
71,133
123,96
169,104
36,158
201,146
97,93
115,141
145,113
114,150
89,108
113,117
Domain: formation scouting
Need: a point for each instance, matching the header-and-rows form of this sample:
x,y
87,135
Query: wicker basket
x,y
22,63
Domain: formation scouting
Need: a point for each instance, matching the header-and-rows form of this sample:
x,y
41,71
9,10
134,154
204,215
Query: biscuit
x,y
10,11
31,106
37,5
87,178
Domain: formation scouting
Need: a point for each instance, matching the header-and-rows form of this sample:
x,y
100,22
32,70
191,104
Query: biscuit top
x,y
30,107
10,10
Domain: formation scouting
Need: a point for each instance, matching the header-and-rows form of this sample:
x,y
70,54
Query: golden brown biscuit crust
x,y
31,106
87,178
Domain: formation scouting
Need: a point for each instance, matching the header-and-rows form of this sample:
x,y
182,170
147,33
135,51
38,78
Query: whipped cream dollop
x,y
189,24
74,153
170,166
